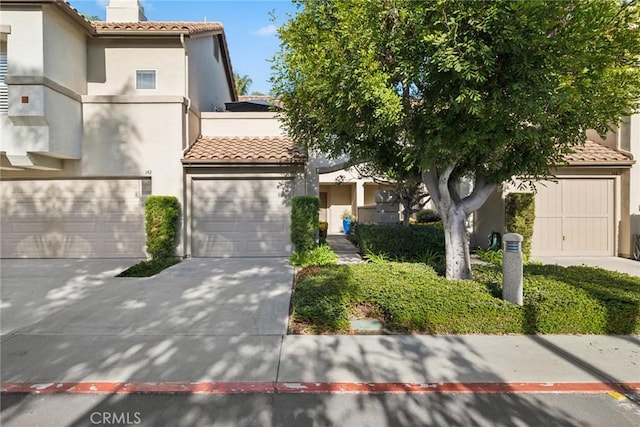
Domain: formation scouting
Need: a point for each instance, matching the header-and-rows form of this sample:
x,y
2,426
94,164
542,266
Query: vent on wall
x,y
636,247
4,89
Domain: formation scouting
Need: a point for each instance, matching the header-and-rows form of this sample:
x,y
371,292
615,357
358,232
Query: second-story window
x,y
145,79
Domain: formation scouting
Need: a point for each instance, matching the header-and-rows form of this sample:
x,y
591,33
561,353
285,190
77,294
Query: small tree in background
x,y
161,225
305,215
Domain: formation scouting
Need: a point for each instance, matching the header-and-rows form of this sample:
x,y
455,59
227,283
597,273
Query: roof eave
x,y
247,162
601,164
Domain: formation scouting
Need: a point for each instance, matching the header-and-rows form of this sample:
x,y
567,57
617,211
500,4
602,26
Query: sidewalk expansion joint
x,y
225,388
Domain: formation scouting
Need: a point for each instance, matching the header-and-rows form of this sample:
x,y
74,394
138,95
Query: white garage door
x,y
240,218
72,219
575,217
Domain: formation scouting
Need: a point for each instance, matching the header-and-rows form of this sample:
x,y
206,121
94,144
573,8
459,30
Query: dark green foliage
x,y
161,217
413,298
149,268
520,213
400,243
426,216
323,228
492,257
324,303
305,213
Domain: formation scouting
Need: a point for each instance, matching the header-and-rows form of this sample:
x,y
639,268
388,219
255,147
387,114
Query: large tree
x,y
478,91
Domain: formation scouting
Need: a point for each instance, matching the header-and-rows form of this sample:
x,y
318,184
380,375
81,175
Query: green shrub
x,y
322,299
492,257
399,243
161,225
375,258
413,298
320,255
426,216
305,212
520,213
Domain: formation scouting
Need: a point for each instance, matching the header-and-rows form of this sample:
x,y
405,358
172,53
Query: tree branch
x,y
430,179
479,195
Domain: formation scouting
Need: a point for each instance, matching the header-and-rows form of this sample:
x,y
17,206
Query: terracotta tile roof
x,y
150,26
245,149
592,152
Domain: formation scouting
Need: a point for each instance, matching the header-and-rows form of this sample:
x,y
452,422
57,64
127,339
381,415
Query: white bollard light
x,y
512,268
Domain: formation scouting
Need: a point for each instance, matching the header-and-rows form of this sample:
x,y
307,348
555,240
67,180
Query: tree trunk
x,y
456,244
406,214
454,210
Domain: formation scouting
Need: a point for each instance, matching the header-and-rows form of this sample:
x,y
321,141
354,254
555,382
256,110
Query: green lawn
x,y
412,298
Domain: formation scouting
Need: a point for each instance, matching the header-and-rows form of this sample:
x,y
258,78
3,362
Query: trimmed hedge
x,y
427,216
161,225
305,215
520,213
400,243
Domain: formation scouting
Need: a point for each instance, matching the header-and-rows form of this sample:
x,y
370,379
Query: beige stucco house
x,y
593,209
97,116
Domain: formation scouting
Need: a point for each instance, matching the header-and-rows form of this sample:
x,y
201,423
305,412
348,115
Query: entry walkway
x,y
347,252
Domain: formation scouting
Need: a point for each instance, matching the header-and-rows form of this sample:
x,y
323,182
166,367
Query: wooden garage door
x,y
240,218
575,217
72,219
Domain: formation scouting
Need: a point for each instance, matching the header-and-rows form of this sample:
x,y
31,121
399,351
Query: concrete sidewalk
x,y
621,265
258,360
346,251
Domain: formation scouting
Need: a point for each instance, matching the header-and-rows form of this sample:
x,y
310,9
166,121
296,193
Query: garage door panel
x,y
221,227
232,218
277,227
72,218
547,234
575,217
584,233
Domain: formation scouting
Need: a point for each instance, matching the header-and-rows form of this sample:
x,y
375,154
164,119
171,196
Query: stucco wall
x,y
113,65
64,116
489,218
208,87
240,124
25,44
634,201
65,44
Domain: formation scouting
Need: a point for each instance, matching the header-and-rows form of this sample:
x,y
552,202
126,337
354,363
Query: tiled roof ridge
x,y
245,149
190,27
594,152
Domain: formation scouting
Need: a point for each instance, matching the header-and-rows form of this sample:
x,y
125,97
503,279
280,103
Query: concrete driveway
x,y
622,265
74,320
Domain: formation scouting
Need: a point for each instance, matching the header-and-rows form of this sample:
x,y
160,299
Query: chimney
x,y
125,11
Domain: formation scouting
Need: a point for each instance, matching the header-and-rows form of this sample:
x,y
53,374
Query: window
x,y
145,79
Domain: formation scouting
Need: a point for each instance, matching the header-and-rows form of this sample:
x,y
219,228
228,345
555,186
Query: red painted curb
x,y
309,388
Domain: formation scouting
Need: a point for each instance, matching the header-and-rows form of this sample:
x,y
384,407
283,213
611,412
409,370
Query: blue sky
x,y
248,25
